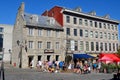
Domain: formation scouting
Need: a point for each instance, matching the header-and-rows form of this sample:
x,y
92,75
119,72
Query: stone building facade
x,y
86,32
60,32
36,38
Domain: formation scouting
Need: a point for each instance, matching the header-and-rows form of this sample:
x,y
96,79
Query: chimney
x,y
21,8
93,13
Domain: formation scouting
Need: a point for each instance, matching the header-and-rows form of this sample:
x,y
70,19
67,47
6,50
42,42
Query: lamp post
x,y
10,56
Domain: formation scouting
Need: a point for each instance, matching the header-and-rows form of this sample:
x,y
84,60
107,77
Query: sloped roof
x,y
41,21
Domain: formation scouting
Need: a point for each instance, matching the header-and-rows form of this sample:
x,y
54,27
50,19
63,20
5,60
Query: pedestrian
x,y
40,64
37,65
31,64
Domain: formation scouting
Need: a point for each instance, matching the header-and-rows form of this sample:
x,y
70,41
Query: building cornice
x,y
91,16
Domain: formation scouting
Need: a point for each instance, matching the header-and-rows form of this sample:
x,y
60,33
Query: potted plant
x,y
110,68
104,67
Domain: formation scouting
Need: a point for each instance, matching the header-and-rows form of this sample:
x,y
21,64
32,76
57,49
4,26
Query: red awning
x,y
112,56
105,58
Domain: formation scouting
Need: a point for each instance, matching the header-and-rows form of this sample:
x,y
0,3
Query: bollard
x,y
14,64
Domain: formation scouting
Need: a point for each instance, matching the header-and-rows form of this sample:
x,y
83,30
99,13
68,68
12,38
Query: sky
x,y
9,8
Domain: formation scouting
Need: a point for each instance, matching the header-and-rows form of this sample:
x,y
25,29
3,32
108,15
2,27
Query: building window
x,y
92,46
113,46
113,37
108,26
112,27
105,35
116,27
39,32
101,46
104,26
75,32
39,44
87,46
96,34
48,45
75,20
116,36
1,42
1,29
86,23
68,31
91,34
100,25
81,46
97,46
101,35
30,44
68,44
30,31
57,45
80,21
109,46
91,23
95,24
68,19
86,33
48,33
105,46
81,33
76,45
57,33
109,36
117,46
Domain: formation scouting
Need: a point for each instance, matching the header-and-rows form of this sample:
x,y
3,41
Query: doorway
x,y
30,58
48,57
39,58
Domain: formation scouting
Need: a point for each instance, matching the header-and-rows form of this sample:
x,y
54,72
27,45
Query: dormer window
x,y
34,18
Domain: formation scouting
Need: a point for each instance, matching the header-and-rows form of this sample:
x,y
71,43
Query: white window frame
x,y
48,45
57,45
30,45
86,33
91,34
31,31
48,33
39,32
39,44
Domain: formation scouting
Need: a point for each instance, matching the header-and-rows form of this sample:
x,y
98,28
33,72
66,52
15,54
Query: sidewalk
x,y
9,67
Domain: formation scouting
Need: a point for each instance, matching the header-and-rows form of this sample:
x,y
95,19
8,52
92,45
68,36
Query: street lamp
x,y
10,56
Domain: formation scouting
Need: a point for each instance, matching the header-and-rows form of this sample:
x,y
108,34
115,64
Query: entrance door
x,y
39,58
48,57
57,57
30,58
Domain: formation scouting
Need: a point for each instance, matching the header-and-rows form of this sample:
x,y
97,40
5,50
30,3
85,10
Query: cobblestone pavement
x,y
32,74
